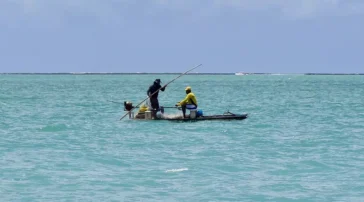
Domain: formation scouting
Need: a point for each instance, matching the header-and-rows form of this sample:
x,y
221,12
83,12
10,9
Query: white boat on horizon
x,y
240,73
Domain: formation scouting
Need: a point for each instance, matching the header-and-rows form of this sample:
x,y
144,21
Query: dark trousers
x,y
155,105
184,110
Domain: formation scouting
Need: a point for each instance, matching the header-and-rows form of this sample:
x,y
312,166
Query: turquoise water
x,y
61,139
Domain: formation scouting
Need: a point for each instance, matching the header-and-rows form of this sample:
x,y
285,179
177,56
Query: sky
x,y
225,36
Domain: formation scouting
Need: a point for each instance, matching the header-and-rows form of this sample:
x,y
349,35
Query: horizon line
x,y
146,73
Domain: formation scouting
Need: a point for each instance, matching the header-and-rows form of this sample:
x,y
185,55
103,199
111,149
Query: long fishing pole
x,y
135,107
159,89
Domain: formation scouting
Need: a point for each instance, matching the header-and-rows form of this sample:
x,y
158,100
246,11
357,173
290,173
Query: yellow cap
x,y
188,88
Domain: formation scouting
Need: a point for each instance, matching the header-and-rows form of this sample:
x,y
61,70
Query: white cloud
x,y
297,8
92,7
112,8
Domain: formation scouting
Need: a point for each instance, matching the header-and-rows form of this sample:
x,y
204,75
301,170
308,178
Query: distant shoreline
x,y
95,73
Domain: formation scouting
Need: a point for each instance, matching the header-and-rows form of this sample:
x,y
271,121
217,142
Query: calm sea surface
x,y
61,139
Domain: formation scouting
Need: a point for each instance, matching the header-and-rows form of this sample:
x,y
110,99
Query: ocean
x,y
61,139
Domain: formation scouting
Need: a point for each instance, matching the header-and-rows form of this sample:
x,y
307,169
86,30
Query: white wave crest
x,y
176,170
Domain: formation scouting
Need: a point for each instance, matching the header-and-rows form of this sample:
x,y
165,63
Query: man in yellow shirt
x,y
190,101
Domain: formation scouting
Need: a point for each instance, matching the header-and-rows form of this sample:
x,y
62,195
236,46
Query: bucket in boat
x,y
148,115
199,113
193,114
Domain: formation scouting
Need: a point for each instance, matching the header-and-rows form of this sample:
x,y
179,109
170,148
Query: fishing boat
x,y
225,116
195,115
145,112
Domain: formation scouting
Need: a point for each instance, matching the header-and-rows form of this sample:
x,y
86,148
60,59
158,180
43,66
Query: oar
x,y
159,89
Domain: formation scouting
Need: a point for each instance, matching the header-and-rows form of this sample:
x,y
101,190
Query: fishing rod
x,y
159,89
135,107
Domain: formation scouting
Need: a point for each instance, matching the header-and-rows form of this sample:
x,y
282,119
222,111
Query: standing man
x,y
154,98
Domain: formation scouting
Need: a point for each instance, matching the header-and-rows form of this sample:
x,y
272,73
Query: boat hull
x,y
210,118
201,118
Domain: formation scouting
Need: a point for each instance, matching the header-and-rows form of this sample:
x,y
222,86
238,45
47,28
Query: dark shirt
x,y
153,88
